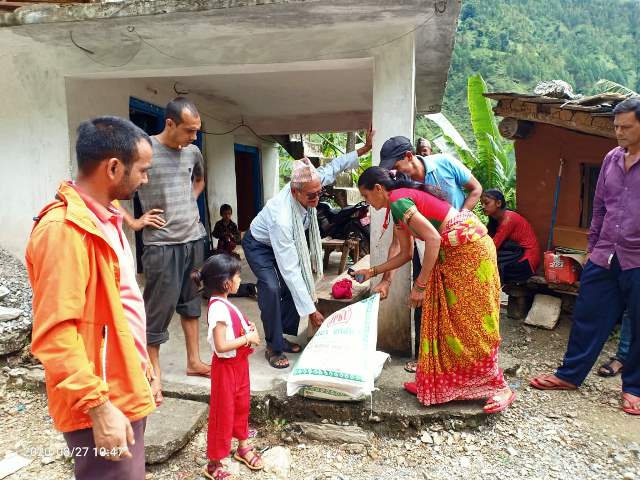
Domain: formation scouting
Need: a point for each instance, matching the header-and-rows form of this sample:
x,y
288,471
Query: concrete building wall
x,y
33,134
538,159
38,138
331,68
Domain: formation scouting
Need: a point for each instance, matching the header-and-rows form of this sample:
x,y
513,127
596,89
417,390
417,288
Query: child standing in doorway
x,y
226,231
231,338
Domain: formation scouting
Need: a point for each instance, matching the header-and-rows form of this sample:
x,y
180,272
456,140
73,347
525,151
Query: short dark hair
x,y
225,208
629,105
107,137
217,270
178,105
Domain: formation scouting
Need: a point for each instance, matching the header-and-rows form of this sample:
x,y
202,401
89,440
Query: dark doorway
x,y
248,184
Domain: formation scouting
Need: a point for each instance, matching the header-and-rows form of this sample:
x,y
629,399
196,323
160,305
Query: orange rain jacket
x,y
80,333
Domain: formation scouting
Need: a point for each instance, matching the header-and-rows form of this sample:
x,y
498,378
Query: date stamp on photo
x,y
76,452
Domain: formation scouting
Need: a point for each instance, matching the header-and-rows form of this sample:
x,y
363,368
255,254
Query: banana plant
x,y
495,160
609,86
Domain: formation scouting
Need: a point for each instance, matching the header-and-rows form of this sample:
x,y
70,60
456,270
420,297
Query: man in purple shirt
x,y
610,281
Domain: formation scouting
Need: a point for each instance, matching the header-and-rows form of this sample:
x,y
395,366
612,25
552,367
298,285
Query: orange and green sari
x,y
460,335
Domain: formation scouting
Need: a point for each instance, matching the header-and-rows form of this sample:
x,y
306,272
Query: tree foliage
x,y
514,44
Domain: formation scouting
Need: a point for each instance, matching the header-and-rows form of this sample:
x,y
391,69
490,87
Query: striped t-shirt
x,y
170,188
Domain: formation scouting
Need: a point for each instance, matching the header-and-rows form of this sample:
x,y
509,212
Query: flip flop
x,y
499,405
199,374
550,382
241,454
273,358
606,370
290,347
632,407
411,366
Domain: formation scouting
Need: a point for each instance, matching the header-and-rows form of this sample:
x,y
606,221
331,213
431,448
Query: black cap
x,y
393,150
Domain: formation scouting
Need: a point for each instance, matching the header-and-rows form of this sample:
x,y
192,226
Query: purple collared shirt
x,y
615,227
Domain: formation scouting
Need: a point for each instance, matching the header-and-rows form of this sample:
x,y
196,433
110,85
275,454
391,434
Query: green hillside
x,y
515,44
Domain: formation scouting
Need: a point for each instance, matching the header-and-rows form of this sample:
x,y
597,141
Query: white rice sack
x,y
340,360
337,395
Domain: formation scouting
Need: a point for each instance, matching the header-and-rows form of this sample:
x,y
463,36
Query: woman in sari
x,y
458,288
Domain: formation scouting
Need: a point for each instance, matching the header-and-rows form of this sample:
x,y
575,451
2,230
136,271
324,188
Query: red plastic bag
x,y
342,289
561,269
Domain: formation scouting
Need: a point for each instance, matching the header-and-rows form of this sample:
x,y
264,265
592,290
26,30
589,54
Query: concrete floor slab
x,y
264,378
391,410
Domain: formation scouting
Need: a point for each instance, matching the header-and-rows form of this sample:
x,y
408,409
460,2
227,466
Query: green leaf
x,y
609,86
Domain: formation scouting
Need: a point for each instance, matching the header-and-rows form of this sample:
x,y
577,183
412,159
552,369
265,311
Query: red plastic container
x,y
561,269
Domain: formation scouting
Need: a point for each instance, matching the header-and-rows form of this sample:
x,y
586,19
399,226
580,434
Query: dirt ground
x,y
571,435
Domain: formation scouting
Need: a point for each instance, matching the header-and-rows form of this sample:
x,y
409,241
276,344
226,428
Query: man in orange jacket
x,y
88,314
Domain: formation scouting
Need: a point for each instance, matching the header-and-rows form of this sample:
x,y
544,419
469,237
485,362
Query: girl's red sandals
x,y
216,471
254,463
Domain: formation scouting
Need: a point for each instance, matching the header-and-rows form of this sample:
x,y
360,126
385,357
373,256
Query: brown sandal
x,y
216,471
276,359
606,369
241,456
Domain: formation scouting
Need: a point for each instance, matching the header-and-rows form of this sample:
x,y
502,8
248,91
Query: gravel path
x,y
15,293
573,435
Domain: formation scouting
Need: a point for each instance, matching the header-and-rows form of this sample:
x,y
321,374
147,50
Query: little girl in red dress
x,y
231,338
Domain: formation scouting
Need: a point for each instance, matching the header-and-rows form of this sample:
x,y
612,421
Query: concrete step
x,y
392,411
170,427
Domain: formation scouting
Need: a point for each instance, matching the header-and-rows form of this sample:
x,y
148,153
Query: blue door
x,y
248,184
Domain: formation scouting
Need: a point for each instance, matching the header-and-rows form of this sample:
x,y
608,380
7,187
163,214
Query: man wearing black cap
x,y
440,170
444,172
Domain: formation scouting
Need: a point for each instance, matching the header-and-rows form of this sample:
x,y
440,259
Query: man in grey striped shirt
x,y
173,236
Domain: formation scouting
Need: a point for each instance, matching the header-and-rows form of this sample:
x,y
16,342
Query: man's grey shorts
x,y
169,287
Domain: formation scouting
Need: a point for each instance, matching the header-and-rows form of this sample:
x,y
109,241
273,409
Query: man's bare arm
x,y
474,191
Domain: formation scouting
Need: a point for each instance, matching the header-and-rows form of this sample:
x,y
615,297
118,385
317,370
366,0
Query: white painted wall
x,y
393,114
33,136
38,137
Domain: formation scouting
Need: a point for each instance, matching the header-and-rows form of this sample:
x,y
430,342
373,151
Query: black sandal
x,y
290,347
606,370
273,358
411,366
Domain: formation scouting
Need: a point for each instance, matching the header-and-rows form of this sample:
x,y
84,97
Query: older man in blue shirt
x,y
610,281
442,171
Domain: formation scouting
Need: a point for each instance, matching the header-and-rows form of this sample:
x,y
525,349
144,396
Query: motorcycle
x,y
349,223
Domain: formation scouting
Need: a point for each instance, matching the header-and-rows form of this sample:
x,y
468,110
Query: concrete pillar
x,y
270,170
221,173
393,114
